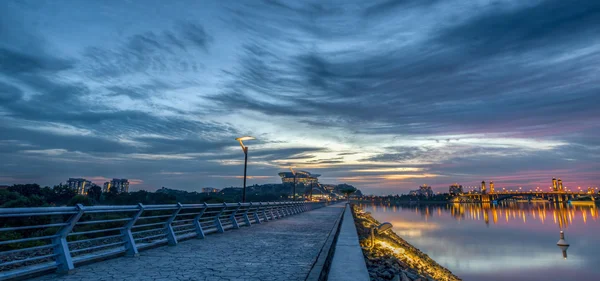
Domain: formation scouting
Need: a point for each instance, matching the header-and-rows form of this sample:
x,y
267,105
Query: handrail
x,y
58,238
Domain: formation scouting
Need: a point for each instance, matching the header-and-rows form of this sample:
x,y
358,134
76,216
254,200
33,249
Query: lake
x,y
511,241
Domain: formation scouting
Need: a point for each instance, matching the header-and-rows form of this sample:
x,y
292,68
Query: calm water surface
x,y
514,241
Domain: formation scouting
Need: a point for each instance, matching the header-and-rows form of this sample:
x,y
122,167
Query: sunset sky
x,y
384,95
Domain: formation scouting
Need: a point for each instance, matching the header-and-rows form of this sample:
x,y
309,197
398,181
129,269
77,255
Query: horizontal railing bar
x,y
182,221
111,211
150,237
94,231
187,214
27,239
184,231
102,221
97,247
32,226
146,231
26,249
36,214
149,224
155,217
183,225
27,259
94,239
4,211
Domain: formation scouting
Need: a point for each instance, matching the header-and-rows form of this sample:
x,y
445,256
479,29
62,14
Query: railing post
x,y
281,210
197,224
245,215
171,238
271,211
286,209
130,247
298,207
64,261
278,211
263,211
292,208
232,216
218,219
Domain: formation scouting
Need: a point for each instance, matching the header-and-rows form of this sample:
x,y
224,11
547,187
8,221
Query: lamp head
x,y
384,227
241,139
245,138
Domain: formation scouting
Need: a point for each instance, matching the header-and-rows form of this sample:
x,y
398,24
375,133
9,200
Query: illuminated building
x,y
554,187
455,189
560,186
491,187
483,191
121,185
209,190
79,185
301,177
424,190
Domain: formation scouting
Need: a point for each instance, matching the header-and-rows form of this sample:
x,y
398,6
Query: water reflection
x,y
561,214
509,241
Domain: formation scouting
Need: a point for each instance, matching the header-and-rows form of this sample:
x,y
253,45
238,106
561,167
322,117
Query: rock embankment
x,y
392,258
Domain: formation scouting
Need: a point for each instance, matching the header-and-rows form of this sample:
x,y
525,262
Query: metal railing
x,y
33,240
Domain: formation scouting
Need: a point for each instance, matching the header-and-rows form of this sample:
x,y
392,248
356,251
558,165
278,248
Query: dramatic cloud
x,y
384,94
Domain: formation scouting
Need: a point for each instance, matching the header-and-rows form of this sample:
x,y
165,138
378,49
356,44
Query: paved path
x,y
283,249
348,262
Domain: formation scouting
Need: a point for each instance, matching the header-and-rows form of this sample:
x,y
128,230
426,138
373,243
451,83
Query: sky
x,y
384,95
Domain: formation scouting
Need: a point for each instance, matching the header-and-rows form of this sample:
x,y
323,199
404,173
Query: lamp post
x,y
295,179
380,229
245,149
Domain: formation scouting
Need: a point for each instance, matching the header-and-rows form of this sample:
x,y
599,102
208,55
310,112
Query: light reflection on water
x,y
512,241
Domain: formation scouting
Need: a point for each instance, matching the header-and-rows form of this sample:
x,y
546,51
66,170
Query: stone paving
x,y
283,249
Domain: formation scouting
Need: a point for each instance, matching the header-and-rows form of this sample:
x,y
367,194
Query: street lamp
x,y
295,179
245,149
380,229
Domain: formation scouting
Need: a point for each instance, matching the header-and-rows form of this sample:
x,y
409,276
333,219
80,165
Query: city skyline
x,y
157,93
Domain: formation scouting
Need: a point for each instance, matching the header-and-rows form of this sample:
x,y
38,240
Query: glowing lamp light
x,y
245,138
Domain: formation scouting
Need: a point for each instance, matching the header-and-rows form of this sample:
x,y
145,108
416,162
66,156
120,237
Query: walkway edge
x,y
320,269
348,263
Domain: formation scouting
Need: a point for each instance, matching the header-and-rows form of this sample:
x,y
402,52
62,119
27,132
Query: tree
x,y
347,191
26,189
94,193
80,199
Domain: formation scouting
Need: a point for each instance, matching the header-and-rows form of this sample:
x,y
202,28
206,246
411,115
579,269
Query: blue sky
x,y
385,95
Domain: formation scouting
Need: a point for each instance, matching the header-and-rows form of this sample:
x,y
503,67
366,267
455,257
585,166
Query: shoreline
x,y
393,258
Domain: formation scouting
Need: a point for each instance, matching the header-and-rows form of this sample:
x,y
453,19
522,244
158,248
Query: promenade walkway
x,y
283,249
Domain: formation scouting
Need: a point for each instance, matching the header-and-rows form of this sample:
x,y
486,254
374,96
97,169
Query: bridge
x,y
251,241
555,196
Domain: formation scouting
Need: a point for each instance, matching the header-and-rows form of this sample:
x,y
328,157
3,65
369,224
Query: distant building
x,y
301,177
560,185
424,190
483,189
554,185
79,185
121,185
455,189
492,187
209,190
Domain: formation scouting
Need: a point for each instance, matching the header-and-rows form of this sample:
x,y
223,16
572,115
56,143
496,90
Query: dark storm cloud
x,y
389,7
166,51
439,85
550,23
160,96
